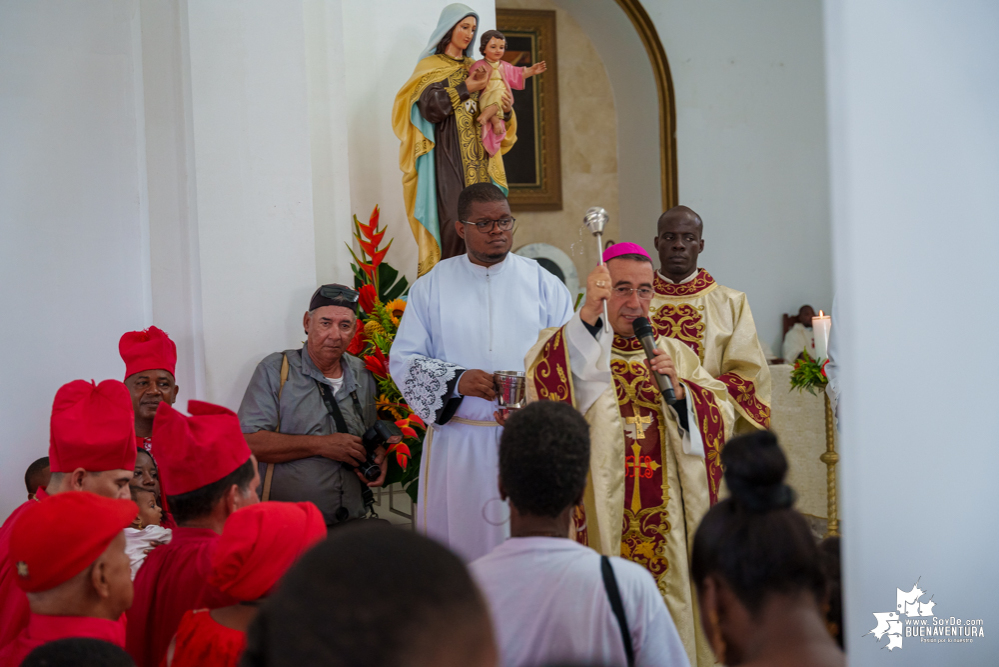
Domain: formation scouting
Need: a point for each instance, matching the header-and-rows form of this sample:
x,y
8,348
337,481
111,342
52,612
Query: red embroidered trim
x,y
701,282
743,392
622,344
712,428
551,370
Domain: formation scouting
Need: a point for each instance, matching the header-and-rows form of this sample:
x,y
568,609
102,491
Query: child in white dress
x,y
145,533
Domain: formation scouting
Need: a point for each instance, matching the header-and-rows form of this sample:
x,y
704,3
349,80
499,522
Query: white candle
x,y
821,324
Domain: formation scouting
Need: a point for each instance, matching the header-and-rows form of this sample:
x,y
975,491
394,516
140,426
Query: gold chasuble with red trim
x,y
716,323
645,495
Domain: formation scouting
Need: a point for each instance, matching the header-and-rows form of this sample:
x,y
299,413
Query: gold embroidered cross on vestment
x,y
635,425
639,468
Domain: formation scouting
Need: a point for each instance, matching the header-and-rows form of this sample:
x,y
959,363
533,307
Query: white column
x,y
913,94
253,184
173,220
328,128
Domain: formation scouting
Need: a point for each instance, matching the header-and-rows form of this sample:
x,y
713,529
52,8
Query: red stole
x,y
203,642
172,580
44,629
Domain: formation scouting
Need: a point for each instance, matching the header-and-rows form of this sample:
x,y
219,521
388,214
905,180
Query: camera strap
x,y
334,409
367,497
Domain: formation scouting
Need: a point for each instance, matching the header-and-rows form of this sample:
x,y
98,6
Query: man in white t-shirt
x,y
550,601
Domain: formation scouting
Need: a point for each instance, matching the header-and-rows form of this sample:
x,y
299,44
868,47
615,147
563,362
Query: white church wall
x,y
175,267
72,210
253,179
915,176
749,81
382,43
325,62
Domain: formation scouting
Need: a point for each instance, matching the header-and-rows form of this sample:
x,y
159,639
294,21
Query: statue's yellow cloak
x,y
416,157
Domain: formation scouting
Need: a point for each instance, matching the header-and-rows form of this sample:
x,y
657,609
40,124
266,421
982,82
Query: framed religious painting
x,y
534,164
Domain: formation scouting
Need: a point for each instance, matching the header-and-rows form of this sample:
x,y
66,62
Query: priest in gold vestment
x,y
713,320
654,469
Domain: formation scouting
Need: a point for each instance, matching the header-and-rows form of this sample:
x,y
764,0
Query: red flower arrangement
x,y
382,292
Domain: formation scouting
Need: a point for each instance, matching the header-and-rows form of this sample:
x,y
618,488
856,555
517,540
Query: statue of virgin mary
x,y
441,148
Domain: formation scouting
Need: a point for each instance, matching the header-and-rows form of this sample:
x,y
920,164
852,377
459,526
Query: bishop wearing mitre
x,y
654,468
712,319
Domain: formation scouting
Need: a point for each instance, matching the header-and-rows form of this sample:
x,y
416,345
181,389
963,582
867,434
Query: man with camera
x,y
305,414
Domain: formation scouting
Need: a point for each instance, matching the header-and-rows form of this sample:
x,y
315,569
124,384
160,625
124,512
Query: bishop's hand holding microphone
x,y
661,364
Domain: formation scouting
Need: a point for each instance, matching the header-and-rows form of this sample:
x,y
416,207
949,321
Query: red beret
x,y
58,538
92,427
259,543
192,452
147,350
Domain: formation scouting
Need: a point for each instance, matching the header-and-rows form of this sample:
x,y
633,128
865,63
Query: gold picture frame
x,y
534,164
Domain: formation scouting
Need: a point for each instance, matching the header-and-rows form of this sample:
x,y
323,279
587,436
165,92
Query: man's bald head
x,y
678,242
680,213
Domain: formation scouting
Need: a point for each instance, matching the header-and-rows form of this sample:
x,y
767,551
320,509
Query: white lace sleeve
x,y
425,385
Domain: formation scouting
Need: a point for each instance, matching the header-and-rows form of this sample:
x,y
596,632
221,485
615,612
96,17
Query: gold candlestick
x,y
830,458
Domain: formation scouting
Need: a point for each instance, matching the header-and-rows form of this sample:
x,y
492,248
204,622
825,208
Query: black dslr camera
x,y
382,434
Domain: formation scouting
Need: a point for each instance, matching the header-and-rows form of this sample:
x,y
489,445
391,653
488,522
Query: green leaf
x,y
399,289
360,278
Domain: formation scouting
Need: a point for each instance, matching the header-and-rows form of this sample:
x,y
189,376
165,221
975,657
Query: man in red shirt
x,y
150,360
91,448
67,553
207,472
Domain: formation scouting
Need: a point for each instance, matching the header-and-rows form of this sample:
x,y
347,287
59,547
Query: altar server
x,y
470,316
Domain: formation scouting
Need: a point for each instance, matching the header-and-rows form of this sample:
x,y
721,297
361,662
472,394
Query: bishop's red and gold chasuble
x,y
638,466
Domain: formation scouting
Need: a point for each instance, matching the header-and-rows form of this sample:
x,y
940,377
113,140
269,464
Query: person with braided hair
x,y
757,567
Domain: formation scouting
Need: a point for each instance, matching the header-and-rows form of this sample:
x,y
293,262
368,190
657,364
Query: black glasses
x,y
339,292
486,226
644,293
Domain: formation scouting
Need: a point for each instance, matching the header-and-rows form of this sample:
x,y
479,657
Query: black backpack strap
x,y
614,594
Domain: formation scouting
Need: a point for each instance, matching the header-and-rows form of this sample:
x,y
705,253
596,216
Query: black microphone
x,y
643,330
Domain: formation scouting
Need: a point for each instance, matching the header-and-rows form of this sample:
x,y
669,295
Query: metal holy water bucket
x,y
510,391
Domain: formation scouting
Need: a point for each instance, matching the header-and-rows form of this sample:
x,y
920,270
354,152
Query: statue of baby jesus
x,y
503,79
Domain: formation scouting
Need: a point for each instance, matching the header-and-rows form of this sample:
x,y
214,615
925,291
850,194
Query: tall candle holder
x,y
810,374
831,458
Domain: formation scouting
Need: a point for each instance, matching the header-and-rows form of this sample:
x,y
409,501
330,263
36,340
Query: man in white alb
x,y
470,316
551,597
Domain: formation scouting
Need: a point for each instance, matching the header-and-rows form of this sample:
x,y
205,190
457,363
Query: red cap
x,y
58,538
92,427
259,543
192,452
625,248
147,350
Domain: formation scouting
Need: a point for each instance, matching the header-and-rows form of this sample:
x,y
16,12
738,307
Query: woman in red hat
x,y
258,544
